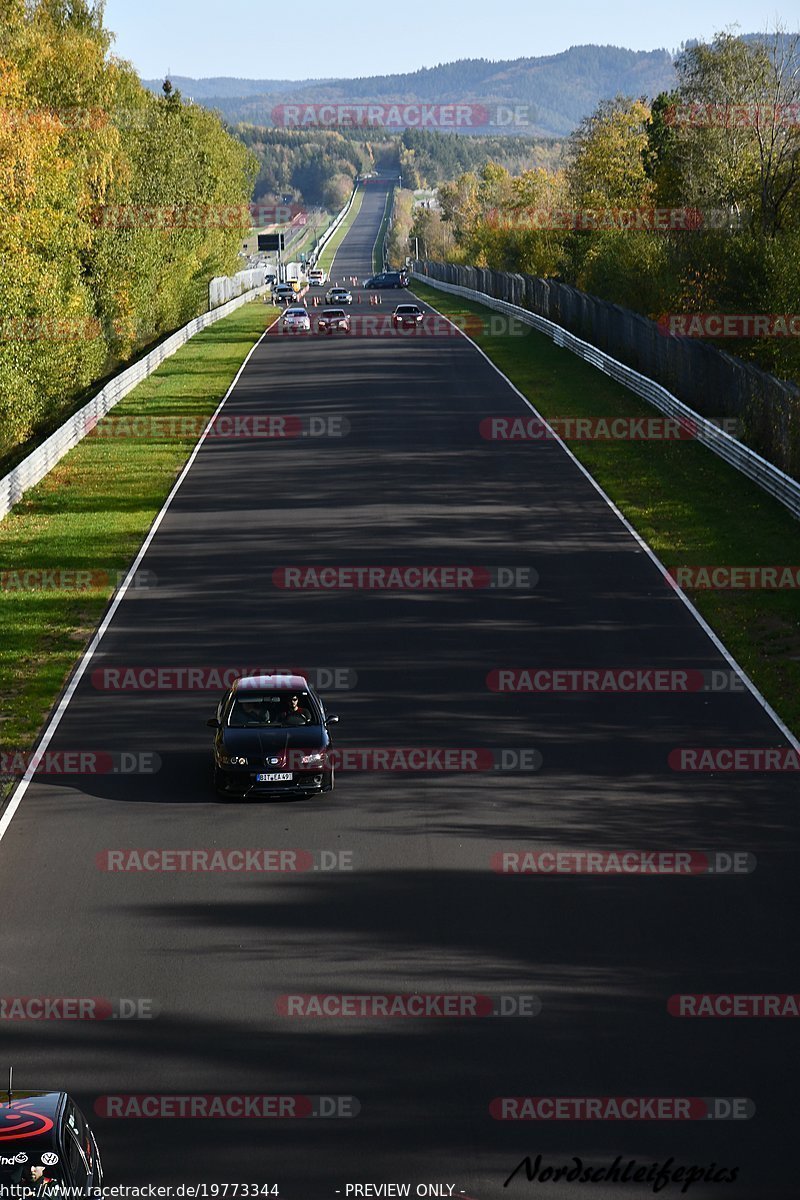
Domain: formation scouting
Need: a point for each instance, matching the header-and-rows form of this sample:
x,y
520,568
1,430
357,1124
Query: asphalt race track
x,y
397,474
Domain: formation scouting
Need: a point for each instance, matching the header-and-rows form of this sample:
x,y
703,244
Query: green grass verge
x,y
332,245
91,514
688,505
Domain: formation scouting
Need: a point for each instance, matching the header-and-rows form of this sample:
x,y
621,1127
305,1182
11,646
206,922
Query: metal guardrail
x,y
223,288
768,477
41,461
314,258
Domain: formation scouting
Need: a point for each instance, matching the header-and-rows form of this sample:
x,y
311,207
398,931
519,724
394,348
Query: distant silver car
x,y
296,320
333,320
339,295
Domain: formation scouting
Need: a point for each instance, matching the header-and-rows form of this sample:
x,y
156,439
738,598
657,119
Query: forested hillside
x,y
118,207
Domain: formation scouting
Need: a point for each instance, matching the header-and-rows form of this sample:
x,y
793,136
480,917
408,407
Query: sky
x,y
243,38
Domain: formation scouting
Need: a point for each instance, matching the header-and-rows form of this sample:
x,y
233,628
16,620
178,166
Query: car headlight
x,y
309,760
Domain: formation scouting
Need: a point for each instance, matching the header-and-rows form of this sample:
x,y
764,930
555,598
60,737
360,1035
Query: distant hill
x,y
559,90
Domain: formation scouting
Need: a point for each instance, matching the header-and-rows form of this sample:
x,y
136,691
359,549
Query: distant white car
x,y
317,277
296,320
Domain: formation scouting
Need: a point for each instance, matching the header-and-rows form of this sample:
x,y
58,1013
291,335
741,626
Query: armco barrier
x,y
329,232
229,287
42,460
765,474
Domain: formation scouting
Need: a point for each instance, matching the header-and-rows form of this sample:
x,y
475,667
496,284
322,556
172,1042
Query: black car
x,y
46,1145
271,739
388,279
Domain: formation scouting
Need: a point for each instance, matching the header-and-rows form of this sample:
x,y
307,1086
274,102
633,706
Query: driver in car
x,y
297,715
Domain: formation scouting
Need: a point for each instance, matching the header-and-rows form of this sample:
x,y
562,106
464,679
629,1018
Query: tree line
x,y
689,205
118,207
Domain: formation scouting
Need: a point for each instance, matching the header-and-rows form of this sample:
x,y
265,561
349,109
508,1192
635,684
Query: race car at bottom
x,y
46,1145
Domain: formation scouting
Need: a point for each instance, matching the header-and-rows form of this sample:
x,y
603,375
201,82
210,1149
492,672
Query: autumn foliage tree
x,y
81,137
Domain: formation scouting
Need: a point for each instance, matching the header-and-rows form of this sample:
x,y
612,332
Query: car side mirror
x,y
332,721
213,723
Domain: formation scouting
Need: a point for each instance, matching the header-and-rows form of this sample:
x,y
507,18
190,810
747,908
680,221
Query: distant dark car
x,y
271,739
333,320
46,1145
388,279
407,316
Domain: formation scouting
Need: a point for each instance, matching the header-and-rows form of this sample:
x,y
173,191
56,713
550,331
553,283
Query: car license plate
x,y
275,777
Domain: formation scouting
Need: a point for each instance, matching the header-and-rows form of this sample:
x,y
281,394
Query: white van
x,y
317,277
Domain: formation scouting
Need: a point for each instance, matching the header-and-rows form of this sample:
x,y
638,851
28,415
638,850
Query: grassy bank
x,y
687,504
91,514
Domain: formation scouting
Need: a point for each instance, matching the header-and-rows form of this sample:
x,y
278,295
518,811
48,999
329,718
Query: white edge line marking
x,y
88,653
726,654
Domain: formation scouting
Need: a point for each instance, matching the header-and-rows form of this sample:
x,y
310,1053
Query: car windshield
x,y
296,312
273,710
333,312
407,310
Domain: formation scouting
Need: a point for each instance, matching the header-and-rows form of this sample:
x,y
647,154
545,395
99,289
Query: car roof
x,y
30,1120
272,683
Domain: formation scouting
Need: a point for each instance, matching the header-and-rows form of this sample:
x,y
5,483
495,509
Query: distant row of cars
x,y
335,320
283,293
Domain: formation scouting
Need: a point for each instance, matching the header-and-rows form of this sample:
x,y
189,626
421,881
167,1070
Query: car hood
x,y
269,743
